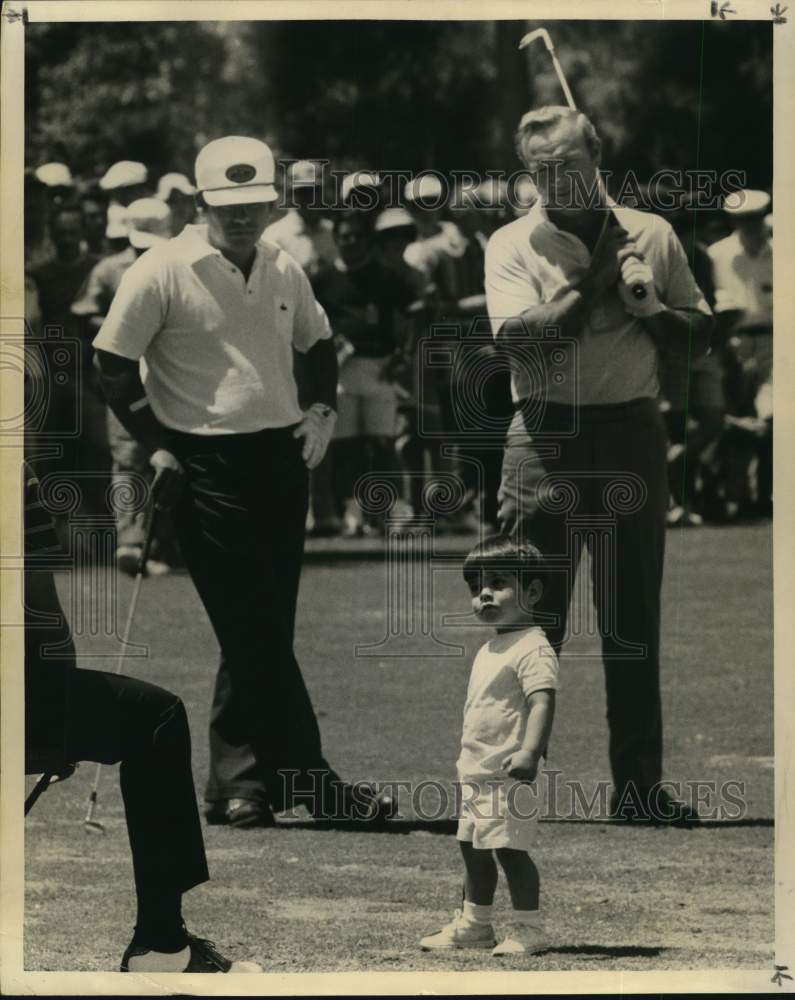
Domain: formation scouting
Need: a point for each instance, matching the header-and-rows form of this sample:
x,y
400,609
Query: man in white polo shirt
x,y
213,317
585,458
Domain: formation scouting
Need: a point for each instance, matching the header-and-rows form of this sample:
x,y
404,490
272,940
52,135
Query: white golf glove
x,y
636,272
317,430
169,479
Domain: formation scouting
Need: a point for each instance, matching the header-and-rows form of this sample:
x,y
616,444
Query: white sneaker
x,y
460,933
522,941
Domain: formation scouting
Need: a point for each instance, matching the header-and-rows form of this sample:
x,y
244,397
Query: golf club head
x,y
538,33
93,826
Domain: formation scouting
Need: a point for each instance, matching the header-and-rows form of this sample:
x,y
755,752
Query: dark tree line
x,y
399,95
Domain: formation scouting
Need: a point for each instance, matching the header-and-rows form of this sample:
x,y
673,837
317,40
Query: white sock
x,y
530,919
477,913
160,961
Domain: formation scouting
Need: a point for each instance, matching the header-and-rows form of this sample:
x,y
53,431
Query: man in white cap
x,y
743,273
58,179
305,232
453,265
216,314
361,191
148,223
180,196
123,183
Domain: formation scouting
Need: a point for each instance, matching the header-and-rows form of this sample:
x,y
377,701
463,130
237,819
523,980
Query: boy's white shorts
x,y
499,813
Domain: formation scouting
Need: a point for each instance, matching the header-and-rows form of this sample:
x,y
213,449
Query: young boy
x,y
507,722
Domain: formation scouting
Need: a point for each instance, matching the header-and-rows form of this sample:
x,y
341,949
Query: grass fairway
x,y
304,898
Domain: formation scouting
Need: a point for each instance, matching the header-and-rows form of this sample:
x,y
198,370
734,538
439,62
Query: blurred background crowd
x,y
116,113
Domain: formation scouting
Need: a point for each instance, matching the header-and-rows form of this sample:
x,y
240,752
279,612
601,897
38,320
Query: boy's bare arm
x,y
523,764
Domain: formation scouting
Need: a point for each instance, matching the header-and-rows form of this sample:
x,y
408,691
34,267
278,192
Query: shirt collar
x,y
196,247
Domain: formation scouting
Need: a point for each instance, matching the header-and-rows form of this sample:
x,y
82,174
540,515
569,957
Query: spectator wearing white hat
x,y
180,196
743,272
123,183
305,232
364,300
361,191
216,315
57,178
149,223
453,265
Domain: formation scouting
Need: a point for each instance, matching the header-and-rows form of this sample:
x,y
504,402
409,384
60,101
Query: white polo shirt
x,y
505,672
531,261
216,350
742,281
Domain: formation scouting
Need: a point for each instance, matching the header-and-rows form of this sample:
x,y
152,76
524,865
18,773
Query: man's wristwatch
x,y
323,409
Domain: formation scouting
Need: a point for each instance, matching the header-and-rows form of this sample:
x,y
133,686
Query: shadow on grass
x,y
608,950
448,827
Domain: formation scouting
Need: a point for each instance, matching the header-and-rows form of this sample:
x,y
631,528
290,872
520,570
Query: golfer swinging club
x,y
196,358
561,268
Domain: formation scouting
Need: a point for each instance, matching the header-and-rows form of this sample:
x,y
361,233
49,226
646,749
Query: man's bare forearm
x,y
126,396
682,331
565,313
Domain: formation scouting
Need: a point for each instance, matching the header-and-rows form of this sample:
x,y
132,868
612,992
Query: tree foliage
x,y
398,94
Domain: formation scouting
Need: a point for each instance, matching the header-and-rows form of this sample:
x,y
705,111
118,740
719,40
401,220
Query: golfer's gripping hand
x,y
636,272
317,429
169,479
613,248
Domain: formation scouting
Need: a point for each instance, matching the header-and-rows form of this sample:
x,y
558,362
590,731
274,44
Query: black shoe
x,y
652,806
240,813
203,958
359,802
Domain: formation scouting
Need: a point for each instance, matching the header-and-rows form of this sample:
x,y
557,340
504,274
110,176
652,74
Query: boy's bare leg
x,y
521,875
480,882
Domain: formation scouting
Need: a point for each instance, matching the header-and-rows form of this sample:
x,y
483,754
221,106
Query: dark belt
x,y
598,413
757,330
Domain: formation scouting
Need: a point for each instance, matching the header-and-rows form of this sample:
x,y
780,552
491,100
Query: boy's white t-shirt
x,y
506,671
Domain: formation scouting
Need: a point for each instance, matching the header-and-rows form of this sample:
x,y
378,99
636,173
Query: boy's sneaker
x,y
199,955
460,933
522,940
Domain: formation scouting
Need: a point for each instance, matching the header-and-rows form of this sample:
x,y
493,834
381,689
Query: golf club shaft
x,y
638,290
139,578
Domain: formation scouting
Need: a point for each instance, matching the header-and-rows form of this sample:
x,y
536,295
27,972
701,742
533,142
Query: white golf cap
x,y
393,218
117,227
305,173
426,187
358,179
236,170
148,222
55,175
125,173
169,183
740,203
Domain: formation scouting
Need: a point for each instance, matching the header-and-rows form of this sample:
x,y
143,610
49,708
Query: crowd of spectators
x,y
392,278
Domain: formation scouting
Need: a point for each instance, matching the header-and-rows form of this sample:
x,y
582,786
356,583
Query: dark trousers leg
x,y
627,566
241,529
109,718
536,497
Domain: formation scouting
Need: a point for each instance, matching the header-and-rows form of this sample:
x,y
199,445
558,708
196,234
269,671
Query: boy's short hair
x,y
499,552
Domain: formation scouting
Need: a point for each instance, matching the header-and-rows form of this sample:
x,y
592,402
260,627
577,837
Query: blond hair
x,y
541,120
